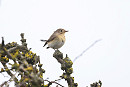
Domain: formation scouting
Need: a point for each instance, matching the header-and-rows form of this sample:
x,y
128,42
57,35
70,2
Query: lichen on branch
x,y
28,70
66,65
25,63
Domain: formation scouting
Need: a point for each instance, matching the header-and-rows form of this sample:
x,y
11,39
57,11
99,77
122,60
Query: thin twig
x,y
86,49
11,79
54,82
4,75
58,79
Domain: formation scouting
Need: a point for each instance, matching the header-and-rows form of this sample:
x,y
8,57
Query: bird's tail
x,y
43,40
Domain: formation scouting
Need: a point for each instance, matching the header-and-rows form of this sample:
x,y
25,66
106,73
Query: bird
x,y
56,40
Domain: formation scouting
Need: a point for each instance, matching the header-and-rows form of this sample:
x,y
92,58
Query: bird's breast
x,y
57,42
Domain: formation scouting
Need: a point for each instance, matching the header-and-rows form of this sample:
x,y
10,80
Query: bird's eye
x,y
61,30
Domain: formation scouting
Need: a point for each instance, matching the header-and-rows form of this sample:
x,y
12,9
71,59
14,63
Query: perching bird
x,y
56,40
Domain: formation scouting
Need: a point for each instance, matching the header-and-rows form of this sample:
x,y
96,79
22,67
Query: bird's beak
x,y
66,31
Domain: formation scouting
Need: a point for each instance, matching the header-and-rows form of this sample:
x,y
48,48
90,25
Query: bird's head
x,y
61,31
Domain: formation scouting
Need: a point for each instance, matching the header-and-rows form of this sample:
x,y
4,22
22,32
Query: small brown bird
x,y
56,40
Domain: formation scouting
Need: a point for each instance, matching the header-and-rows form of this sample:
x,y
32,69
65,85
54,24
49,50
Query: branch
x,y
96,84
20,47
9,72
66,65
50,82
86,49
24,61
11,79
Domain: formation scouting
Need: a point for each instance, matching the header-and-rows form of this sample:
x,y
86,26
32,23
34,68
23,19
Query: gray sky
x,y
87,21
0,2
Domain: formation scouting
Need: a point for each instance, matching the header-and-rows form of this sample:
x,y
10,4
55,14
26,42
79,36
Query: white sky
x,y
87,21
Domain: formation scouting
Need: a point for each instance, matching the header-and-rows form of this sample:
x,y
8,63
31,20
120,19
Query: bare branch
x,y
54,82
86,49
7,82
58,79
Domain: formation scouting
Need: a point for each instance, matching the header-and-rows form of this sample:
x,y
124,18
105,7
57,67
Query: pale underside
x,y
56,43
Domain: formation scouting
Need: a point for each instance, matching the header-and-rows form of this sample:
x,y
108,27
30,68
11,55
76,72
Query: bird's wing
x,y
45,44
52,37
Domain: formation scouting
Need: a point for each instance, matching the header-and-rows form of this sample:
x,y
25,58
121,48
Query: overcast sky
x,y
87,21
